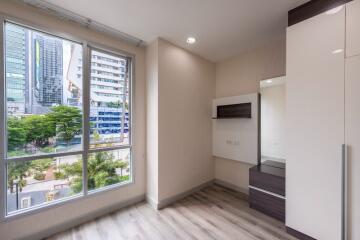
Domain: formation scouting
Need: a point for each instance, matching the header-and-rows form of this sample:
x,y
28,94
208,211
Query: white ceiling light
x,y
268,81
334,10
337,51
190,40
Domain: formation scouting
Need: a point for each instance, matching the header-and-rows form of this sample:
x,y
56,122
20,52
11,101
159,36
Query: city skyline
x,y
43,71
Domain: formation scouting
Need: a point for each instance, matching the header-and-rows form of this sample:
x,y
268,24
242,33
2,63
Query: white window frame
x,y
87,46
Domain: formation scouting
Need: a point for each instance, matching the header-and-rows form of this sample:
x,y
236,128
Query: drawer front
x,y
267,182
267,204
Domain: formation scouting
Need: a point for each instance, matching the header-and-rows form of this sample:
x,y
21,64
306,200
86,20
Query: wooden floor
x,y
213,213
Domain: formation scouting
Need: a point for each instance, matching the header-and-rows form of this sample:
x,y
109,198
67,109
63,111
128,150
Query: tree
x,y
17,171
74,172
101,171
67,122
122,165
16,133
39,130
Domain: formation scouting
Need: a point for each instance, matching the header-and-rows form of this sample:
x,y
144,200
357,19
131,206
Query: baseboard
x,y
167,201
85,218
298,234
152,202
231,186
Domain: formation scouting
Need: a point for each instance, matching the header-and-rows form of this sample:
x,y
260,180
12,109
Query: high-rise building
x,y
109,95
109,89
17,72
72,94
47,84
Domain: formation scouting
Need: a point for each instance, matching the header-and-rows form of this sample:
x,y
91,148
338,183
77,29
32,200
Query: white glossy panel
x,y
315,125
352,134
353,28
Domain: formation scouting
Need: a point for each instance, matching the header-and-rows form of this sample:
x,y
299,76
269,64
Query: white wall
x,y
63,214
273,107
241,75
152,122
186,87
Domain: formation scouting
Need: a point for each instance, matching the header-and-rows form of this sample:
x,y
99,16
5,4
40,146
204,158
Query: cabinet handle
x,y
344,191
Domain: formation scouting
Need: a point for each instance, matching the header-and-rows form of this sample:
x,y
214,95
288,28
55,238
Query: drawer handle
x,y
267,192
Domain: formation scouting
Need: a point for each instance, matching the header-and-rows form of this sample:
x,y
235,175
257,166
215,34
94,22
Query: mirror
x,y
273,106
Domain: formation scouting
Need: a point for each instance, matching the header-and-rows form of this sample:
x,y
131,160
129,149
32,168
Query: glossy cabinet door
x,y
353,28
352,139
315,125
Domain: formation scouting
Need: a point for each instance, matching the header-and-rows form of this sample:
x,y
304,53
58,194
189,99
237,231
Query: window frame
x,y
87,46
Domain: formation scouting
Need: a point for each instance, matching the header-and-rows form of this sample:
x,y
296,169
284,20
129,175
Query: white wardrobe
x,y
323,125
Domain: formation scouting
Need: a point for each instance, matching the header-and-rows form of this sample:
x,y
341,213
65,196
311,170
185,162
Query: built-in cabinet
x,y
353,28
323,114
352,140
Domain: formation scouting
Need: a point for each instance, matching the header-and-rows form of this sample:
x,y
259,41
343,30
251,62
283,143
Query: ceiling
x,y
273,82
223,28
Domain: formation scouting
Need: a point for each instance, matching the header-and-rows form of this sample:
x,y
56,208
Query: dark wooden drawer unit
x,y
267,189
268,204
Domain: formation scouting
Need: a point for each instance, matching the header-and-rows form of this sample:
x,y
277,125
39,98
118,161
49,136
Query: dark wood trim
x,y
298,234
259,129
311,9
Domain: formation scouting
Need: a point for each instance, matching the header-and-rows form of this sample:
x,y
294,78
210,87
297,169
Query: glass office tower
x,y
17,68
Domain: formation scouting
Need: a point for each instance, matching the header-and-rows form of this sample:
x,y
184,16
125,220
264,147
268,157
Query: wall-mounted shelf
x,y
230,111
235,128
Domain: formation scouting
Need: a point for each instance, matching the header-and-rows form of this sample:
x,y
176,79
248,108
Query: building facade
x,y
47,84
109,90
17,68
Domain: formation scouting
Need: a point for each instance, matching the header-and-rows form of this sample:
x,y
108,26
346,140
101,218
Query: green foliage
x,y
39,176
16,132
59,175
17,153
124,178
101,171
67,122
40,166
39,129
117,104
17,171
74,172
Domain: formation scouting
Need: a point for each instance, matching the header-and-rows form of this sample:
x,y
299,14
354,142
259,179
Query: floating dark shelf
x,y
237,117
232,111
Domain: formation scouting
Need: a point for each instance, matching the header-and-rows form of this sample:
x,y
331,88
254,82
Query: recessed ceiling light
x,y
334,10
337,51
190,40
268,81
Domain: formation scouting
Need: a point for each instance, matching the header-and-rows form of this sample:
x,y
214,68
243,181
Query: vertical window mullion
x,y
129,79
2,123
86,112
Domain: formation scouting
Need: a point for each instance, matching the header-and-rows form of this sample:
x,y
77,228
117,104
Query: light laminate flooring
x,y
212,213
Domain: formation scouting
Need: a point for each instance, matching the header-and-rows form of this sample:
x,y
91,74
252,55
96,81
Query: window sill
x,y
69,200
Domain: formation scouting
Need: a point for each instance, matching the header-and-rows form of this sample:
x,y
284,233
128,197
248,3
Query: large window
x,y
62,140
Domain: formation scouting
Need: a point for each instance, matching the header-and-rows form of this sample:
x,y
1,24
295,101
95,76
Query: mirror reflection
x,y
273,105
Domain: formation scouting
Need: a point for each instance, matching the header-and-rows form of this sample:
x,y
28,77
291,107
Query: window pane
x,y
44,92
108,167
41,181
109,106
